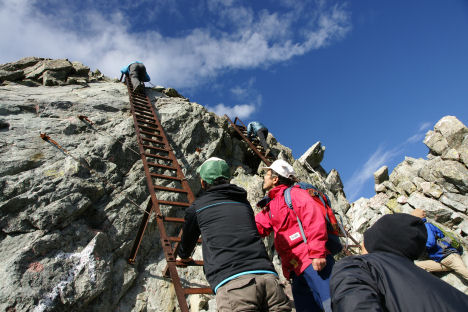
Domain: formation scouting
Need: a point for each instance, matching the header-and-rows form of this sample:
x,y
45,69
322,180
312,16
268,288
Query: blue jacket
x,y
253,127
437,249
124,71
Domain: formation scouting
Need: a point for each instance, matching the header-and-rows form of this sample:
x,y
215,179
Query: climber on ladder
x,y
258,129
136,71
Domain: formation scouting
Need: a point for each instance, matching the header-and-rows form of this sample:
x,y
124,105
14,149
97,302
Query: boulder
x,y
171,92
381,175
62,68
436,143
452,129
21,64
80,69
334,182
313,156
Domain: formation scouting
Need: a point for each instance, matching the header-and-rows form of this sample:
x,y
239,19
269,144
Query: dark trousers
x,y
311,289
262,134
136,72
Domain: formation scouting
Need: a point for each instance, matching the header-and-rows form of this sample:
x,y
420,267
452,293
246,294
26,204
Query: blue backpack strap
x,y
287,199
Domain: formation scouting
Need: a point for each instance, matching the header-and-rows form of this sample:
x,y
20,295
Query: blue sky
x,y
367,78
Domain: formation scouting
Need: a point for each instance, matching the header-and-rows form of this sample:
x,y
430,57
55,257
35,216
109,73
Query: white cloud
x,y
419,136
366,172
105,40
241,111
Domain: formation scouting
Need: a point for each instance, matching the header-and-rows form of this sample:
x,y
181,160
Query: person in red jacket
x,y
307,264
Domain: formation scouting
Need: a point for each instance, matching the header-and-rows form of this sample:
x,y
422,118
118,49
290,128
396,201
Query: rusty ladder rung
x,y
157,156
150,133
155,148
151,164
192,263
150,128
194,291
173,203
169,189
152,141
163,176
176,239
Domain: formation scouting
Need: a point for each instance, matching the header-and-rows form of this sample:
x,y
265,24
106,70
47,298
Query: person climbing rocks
x,y
258,129
307,263
236,263
384,277
138,75
442,255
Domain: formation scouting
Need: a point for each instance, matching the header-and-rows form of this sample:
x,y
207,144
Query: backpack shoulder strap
x,y
288,200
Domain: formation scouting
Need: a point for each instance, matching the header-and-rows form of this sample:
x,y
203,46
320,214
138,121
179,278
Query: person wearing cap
x,y
235,260
442,255
137,73
385,278
307,264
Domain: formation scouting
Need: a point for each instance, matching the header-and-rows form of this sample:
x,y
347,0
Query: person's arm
x,y
190,234
263,223
353,288
313,222
121,77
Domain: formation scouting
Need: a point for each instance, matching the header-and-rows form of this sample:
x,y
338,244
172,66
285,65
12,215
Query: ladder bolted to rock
x,y
241,129
163,175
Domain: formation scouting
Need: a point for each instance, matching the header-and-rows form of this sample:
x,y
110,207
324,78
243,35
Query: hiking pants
x,y
451,262
137,75
252,292
311,289
262,134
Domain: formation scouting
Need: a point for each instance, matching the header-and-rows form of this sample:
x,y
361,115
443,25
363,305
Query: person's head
x,y
279,172
214,171
419,213
397,233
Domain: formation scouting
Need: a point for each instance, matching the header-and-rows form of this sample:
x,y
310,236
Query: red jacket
x,y
294,253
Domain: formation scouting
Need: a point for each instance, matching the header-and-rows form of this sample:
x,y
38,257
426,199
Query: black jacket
x,y
231,243
383,281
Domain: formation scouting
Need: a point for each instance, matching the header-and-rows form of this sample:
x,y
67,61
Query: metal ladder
x,y
241,129
161,169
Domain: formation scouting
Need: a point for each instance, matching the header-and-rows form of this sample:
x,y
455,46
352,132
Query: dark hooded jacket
x,y
386,279
231,243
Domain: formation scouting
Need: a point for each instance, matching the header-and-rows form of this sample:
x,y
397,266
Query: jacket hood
x,y
398,233
228,190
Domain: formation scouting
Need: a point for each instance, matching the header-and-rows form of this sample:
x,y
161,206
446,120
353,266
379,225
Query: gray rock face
x,y
439,185
68,217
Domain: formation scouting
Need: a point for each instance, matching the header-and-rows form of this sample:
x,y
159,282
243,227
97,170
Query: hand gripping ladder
x,y
241,129
161,169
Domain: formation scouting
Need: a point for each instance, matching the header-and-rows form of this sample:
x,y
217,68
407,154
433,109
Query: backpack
x,y
450,239
334,228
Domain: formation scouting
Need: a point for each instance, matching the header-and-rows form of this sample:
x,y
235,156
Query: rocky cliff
x,y
438,184
68,216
